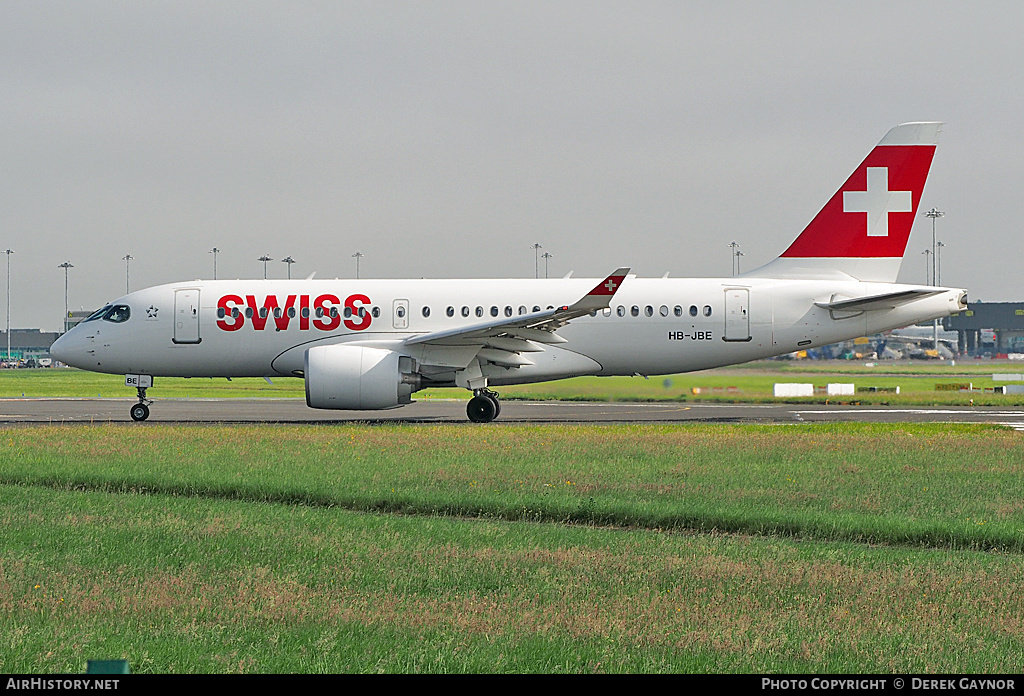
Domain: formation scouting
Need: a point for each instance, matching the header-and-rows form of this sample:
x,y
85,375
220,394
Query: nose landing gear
x,y
140,411
484,406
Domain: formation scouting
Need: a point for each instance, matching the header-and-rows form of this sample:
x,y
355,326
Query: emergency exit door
x,y
401,314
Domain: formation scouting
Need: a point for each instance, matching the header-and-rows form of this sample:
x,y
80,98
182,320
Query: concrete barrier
x,y
836,389
787,389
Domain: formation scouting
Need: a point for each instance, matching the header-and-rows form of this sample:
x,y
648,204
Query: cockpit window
x,y
118,314
98,314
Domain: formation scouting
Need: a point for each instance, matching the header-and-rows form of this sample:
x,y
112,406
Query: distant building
x,y
28,344
989,328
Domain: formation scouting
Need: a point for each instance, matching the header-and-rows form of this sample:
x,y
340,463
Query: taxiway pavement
x,y
55,411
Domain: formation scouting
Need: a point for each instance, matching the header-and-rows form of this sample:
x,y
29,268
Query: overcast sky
x,y
444,139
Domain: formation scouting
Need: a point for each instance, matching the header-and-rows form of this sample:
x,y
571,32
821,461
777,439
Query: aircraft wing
x,y
885,301
502,341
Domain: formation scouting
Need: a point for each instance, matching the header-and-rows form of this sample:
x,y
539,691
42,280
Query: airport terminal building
x,y
991,329
28,344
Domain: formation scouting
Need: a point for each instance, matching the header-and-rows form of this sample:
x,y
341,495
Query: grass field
x,y
556,548
752,382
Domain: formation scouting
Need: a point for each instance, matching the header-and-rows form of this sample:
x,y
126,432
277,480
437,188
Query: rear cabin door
x,y
737,314
186,316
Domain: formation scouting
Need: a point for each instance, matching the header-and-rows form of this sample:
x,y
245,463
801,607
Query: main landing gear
x,y
484,406
140,411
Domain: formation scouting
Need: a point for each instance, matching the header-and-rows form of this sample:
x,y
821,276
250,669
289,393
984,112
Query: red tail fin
x,y
870,216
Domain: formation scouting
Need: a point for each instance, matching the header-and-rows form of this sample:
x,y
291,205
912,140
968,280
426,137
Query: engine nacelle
x,y
358,378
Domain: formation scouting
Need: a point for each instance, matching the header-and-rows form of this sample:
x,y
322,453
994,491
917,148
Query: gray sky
x,y
443,139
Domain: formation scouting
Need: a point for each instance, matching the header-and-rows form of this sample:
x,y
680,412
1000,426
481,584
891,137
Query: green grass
x,y
752,382
398,548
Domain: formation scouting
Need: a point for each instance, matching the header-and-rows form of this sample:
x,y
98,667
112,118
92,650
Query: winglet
x,y
602,294
609,285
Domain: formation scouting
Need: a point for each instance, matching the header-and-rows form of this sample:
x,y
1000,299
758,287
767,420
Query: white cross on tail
x,y
878,201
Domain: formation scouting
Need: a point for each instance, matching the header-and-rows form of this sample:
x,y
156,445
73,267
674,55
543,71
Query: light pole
x,y
738,255
264,259
66,265
734,252
536,259
8,252
546,256
935,215
288,260
215,251
938,262
927,266
358,255
127,260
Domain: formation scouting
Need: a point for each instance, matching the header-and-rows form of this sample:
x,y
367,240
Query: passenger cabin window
x,y
494,311
522,309
693,310
450,311
679,310
465,311
426,312
707,310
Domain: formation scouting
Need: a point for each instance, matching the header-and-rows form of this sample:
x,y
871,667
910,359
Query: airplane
x,y
371,344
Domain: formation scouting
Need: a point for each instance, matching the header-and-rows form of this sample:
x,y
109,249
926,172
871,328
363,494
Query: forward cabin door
x,y
737,314
186,316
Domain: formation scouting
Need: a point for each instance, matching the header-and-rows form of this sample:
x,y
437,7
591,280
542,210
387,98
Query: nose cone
x,y
68,349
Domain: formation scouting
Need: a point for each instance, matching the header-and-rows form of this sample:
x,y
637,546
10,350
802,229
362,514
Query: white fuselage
x,y
653,325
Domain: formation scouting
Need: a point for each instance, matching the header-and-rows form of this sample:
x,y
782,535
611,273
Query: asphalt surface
x,y
43,411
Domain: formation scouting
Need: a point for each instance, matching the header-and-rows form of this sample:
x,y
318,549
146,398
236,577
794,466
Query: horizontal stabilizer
x,y
886,301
